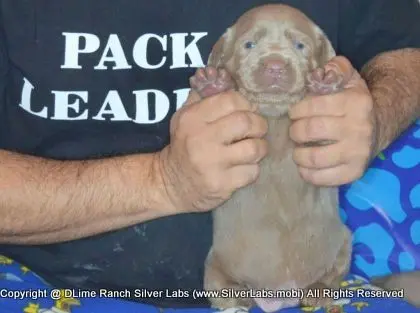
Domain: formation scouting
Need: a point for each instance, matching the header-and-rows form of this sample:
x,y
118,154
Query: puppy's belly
x,y
287,228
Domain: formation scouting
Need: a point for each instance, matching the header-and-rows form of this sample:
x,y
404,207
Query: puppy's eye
x,y
299,45
249,45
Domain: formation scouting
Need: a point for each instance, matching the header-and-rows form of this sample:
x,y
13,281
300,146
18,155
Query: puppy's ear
x,y
325,51
223,49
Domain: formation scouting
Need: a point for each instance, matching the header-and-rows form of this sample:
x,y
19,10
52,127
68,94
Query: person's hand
x,y
216,145
345,118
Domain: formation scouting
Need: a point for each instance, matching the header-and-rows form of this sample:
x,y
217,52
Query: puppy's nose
x,y
274,67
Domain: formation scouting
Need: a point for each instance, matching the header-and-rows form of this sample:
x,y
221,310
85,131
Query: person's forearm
x,y
46,201
394,82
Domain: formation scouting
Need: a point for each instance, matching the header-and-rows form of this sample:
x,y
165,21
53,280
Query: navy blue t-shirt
x,y
83,79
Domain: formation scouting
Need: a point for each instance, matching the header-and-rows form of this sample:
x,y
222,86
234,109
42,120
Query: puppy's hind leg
x,y
216,280
210,81
331,280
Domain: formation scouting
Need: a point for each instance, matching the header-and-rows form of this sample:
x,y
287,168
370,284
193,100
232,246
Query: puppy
x,y
280,233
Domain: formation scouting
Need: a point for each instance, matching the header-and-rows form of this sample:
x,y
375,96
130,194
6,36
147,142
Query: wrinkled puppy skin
x,y
280,233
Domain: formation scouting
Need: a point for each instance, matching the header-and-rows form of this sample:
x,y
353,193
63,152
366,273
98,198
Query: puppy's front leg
x,y
210,81
330,78
322,82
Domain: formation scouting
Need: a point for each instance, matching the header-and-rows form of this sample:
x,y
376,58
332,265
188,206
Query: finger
x,y
323,105
239,125
330,177
320,157
222,104
248,151
193,97
316,128
242,175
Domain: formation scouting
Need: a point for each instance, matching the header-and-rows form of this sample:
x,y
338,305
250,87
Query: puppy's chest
x,y
279,180
279,158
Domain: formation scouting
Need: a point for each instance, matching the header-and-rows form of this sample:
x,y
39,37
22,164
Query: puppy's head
x,y
269,51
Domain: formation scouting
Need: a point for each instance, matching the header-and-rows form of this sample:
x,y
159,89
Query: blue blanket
x,y
383,210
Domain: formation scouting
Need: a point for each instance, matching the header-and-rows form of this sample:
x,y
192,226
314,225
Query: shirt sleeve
x,y
369,27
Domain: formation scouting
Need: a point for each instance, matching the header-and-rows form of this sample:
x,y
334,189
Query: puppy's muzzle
x,y
274,73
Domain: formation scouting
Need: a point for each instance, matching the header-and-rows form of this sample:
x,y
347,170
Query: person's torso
x,y
89,79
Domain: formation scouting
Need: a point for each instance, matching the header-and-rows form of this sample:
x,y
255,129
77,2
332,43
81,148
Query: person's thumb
x,y
193,97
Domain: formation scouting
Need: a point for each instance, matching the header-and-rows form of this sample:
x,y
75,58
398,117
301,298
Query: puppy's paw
x,y
210,81
322,82
314,296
